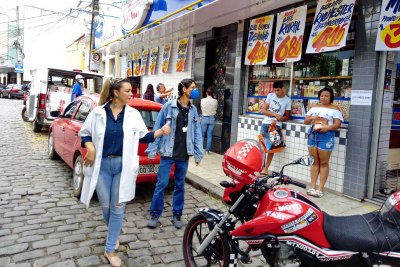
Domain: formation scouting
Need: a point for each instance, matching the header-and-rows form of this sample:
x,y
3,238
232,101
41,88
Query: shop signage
x,y
129,65
153,60
259,40
165,59
19,68
182,50
289,35
389,27
145,57
361,97
330,26
95,62
136,70
396,119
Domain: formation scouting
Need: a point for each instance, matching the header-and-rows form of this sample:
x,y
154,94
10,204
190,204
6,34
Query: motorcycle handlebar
x,y
289,180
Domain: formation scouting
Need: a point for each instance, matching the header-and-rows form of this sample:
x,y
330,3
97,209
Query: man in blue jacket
x,y
77,90
185,140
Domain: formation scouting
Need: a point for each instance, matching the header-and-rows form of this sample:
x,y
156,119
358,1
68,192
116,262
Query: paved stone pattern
x,y
43,224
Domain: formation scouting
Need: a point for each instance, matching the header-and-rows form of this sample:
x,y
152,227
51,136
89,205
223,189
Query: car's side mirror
x,y
55,114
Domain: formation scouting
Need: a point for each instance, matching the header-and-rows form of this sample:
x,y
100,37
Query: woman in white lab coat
x,y
112,133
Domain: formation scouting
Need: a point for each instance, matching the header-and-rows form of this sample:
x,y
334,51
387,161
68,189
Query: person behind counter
x,y
112,133
209,107
324,118
149,95
276,109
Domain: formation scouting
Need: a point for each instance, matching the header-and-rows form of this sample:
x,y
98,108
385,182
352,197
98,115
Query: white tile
x,y
343,134
341,161
339,188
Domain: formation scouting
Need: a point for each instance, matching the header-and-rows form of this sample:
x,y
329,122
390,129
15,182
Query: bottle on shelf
x,y
351,65
300,71
302,90
274,75
266,72
304,70
287,71
308,70
295,92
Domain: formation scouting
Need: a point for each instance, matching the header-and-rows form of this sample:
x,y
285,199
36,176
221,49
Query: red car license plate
x,y
148,168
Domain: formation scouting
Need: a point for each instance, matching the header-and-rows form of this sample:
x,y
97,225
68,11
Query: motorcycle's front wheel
x,y
216,254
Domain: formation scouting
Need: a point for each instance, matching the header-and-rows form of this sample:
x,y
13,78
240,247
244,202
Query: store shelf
x,y
324,78
270,80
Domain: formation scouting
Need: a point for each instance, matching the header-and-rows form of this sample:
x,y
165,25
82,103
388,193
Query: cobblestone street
x,y
43,224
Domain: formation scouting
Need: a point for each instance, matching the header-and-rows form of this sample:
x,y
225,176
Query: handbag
x,y
272,141
318,123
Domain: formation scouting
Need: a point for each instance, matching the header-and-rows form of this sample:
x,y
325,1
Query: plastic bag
x,y
273,141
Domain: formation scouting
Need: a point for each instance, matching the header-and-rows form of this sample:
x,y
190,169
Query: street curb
x,y
203,185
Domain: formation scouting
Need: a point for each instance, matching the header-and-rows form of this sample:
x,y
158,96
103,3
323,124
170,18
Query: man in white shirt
x,y
162,93
276,109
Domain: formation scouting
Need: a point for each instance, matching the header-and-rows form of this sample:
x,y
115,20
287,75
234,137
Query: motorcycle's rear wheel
x,y
216,254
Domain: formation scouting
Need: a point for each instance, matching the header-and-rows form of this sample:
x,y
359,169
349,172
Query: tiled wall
x,y
295,135
172,78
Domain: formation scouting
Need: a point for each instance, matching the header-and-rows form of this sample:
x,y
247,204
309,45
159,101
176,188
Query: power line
x,y
33,18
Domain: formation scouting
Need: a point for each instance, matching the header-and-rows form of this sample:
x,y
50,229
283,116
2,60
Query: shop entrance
x,y
387,176
215,75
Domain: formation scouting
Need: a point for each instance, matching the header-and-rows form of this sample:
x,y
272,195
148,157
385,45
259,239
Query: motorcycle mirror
x,y
307,160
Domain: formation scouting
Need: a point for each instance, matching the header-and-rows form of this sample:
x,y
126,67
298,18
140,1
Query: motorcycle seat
x,y
361,233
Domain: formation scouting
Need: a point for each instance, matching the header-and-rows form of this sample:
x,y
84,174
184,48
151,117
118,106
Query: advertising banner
x,y
182,50
388,38
289,35
166,54
259,40
129,65
136,70
95,62
330,26
145,57
396,119
153,60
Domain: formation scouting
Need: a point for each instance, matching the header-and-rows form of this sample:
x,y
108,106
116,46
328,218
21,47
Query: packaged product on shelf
x,y
345,67
252,89
257,88
351,64
252,104
311,89
344,107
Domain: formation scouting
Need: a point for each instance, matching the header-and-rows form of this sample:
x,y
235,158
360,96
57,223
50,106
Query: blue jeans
x,y
107,189
323,141
157,204
207,126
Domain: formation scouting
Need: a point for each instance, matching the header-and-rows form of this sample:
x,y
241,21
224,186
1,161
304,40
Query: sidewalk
x,y
209,174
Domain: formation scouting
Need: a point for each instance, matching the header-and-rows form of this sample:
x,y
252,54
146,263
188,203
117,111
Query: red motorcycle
x,y
288,227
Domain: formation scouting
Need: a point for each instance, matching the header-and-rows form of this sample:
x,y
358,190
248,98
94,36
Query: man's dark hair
x,y
159,86
184,83
327,89
278,84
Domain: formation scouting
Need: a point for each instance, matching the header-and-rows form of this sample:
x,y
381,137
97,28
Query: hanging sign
x,y
259,40
289,35
183,44
388,38
136,70
153,60
145,56
129,65
165,59
330,26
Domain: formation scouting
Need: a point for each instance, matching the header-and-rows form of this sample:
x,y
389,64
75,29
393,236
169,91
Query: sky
x,y
46,35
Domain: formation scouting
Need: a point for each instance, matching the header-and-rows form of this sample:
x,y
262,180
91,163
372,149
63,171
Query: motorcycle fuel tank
x,y
285,211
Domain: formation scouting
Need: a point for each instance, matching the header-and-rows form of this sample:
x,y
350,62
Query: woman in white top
x,y
209,107
324,118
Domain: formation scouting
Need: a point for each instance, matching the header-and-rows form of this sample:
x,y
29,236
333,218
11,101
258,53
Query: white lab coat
x,y
134,128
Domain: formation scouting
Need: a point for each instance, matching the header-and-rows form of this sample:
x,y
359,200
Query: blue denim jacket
x,y
164,145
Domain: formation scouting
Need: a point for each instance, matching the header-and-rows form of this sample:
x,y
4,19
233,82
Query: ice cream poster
x,y
165,59
289,35
388,38
153,60
136,70
331,24
129,65
259,40
145,57
182,50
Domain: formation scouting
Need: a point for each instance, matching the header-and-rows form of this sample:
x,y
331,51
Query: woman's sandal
x,y
311,192
319,194
114,261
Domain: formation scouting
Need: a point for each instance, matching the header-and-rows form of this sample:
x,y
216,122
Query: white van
x,y
51,90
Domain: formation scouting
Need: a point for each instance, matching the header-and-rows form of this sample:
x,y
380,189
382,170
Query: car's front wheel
x,y
78,176
51,152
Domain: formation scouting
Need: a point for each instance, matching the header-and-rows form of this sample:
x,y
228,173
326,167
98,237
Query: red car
x,y
64,141
12,91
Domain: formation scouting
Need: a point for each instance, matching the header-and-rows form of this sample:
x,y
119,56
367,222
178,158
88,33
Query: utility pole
x,y
17,46
95,12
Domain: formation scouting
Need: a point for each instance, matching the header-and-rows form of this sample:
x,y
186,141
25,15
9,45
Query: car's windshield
x,y
149,117
17,86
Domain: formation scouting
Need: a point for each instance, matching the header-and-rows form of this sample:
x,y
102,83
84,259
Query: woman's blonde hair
x,y
110,84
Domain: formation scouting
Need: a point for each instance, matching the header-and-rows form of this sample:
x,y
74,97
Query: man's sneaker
x,y
176,219
153,221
